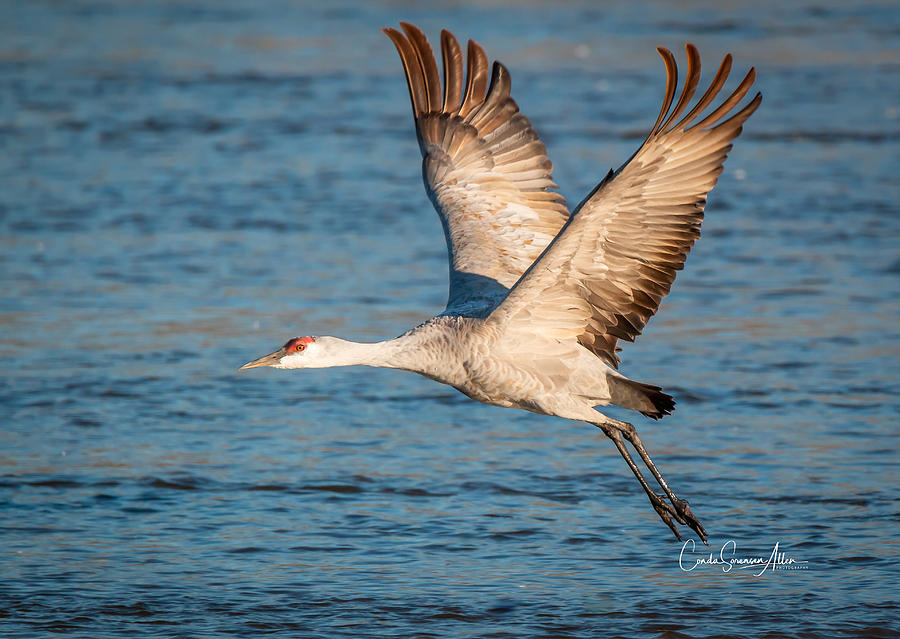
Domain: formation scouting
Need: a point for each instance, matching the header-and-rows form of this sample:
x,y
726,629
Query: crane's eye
x,y
300,347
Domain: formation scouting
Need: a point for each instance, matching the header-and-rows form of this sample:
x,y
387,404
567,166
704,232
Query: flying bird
x,y
540,297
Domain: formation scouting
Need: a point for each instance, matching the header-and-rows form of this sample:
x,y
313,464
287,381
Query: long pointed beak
x,y
266,360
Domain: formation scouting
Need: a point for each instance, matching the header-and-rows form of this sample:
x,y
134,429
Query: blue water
x,y
185,185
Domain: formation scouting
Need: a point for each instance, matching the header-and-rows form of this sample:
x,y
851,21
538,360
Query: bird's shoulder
x,y
449,325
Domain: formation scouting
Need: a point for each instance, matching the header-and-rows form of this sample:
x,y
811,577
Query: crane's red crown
x,y
298,344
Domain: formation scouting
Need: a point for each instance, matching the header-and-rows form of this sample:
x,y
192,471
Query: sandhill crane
x,y
540,297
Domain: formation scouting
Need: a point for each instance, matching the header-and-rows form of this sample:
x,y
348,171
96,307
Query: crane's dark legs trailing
x,y
618,431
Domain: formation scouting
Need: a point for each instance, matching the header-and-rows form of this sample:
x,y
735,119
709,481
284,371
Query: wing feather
x,y
617,256
453,71
485,169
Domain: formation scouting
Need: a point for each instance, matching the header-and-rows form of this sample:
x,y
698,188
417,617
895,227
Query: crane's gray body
x,y
533,372
542,375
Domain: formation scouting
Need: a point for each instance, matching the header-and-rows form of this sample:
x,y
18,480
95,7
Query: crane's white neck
x,y
326,352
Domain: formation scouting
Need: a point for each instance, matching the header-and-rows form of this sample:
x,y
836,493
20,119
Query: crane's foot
x,y
680,511
687,517
665,512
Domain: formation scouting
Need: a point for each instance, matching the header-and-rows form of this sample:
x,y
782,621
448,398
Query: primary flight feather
x,y
539,297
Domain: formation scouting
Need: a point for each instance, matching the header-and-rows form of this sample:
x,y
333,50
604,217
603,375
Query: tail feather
x,y
647,399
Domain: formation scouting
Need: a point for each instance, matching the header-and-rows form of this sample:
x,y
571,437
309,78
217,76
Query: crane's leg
x,y
616,430
681,505
663,509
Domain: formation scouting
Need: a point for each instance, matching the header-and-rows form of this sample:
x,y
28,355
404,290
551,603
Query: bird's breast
x,y
462,353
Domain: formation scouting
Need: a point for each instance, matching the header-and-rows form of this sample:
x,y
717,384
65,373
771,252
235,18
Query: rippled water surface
x,y
185,185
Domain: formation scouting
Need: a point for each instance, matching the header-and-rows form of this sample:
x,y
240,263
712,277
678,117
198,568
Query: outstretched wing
x,y
485,169
605,274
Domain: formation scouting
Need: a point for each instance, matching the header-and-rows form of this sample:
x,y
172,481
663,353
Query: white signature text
x,y
727,559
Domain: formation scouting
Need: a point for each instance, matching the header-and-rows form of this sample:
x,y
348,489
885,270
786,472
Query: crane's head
x,y
298,352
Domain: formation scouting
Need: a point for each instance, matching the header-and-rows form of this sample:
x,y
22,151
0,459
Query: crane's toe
x,y
687,517
665,512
